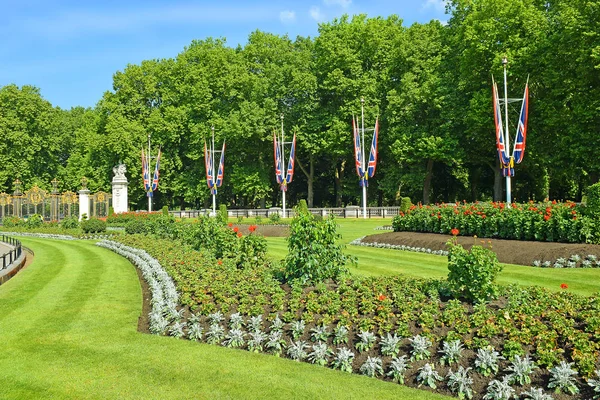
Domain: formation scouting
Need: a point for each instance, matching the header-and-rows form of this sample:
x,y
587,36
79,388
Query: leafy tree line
x,y
430,85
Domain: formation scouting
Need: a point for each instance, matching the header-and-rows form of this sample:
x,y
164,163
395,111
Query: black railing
x,y
10,256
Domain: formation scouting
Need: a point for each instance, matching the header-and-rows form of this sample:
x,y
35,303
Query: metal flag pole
x,y
507,137
212,152
283,169
149,178
362,158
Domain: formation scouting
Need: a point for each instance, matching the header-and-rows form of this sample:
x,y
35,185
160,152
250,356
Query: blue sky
x,y
71,49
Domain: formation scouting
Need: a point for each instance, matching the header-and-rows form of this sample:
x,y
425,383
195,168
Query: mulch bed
x,y
508,251
265,230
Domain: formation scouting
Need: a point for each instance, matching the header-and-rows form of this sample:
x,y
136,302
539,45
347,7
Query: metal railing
x,y
9,257
347,212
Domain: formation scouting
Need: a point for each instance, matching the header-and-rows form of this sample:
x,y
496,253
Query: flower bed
x,y
395,328
359,242
553,222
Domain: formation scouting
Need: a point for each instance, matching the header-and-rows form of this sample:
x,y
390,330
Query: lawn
x,y
68,329
372,261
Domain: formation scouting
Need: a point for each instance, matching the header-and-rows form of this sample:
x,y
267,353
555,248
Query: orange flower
x,y
564,286
230,224
546,217
381,297
220,262
454,232
252,228
236,229
239,234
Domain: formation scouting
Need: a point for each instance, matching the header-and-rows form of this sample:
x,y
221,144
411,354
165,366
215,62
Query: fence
x,y
347,212
11,255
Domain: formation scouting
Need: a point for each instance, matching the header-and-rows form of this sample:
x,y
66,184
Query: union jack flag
x,y
208,165
373,154
221,170
358,156
519,149
156,174
502,150
277,157
290,169
145,172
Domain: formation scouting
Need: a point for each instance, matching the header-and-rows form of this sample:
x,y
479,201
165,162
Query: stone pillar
x,y
84,203
119,190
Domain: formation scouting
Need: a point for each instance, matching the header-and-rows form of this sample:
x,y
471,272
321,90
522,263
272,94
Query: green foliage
x,y
93,225
136,226
70,223
302,207
472,274
405,204
34,221
258,219
313,254
592,206
275,218
165,211
11,222
222,214
111,211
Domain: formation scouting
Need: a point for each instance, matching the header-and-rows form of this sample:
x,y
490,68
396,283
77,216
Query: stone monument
x,y
119,189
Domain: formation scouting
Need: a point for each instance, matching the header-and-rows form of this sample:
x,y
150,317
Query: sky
x,y
70,49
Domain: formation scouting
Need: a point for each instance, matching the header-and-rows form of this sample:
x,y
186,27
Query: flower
x,y
454,232
220,262
546,217
236,229
564,286
239,234
381,297
230,224
252,228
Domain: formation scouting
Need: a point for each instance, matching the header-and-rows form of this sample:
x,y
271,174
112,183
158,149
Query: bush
x,y
274,218
34,221
11,222
70,223
313,254
93,225
472,273
111,211
222,215
165,211
592,206
405,204
302,206
136,226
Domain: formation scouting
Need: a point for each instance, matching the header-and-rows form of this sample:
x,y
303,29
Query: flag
x,y
289,175
208,165
156,173
502,150
277,157
221,169
145,172
373,154
358,153
519,149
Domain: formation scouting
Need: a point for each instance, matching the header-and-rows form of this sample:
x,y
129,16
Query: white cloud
x,y
438,5
287,16
316,14
342,3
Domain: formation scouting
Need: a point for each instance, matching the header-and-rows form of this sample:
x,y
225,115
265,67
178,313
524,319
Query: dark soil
x,y
508,251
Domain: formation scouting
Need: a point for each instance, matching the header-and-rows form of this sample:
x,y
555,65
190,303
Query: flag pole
x,y
362,158
507,137
148,169
212,152
283,170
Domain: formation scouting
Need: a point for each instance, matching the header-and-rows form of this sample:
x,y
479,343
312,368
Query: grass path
x,y
372,261
68,331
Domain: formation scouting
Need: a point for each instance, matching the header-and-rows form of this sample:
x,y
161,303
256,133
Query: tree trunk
x,y
310,175
475,184
339,175
427,183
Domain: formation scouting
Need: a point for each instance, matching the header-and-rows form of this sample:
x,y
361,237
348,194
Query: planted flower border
x,y
393,328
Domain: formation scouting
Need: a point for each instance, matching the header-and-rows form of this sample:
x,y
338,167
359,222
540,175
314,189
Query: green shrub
x,y
592,206
165,211
34,221
222,215
302,206
313,253
70,223
240,219
274,218
405,204
258,219
11,222
472,273
136,226
93,225
111,211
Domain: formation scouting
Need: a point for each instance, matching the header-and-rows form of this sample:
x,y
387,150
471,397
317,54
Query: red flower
x,y
252,228
239,234
230,224
564,286
546,217
549,210
574,212
483,216
381,297
236,229
220,262
454,232
553,201
401,214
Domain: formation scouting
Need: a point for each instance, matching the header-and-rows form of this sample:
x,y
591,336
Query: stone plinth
x,y
84,203
119,190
